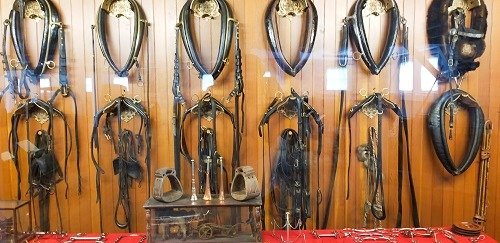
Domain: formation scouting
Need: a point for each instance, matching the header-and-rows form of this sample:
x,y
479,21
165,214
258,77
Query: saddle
x,y
456,46
128,9
290,8
436,124
126,165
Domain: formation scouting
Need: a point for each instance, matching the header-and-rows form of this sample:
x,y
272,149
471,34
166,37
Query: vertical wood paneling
x,y
442,199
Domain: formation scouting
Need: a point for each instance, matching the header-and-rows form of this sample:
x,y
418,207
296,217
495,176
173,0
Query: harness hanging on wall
x,y
374,106
454,44
450,102
354,28
129,9
207,108
127,148
209,9
290,174
291,8
44,169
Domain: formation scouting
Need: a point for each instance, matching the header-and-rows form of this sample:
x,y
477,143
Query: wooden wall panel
x,y
442,199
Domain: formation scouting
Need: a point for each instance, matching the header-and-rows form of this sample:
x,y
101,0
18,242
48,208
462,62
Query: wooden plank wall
x,y
442,199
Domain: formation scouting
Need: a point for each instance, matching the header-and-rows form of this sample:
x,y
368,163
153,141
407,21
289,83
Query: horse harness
x,y
291,8
128,146
374,106
354,28
449,102
456,46
291,171
208,108
209,9
44,169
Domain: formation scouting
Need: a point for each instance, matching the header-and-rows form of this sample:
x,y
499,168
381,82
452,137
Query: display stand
x,y
204,221
11,223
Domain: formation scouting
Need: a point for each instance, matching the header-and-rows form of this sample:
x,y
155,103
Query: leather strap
x,y
176,190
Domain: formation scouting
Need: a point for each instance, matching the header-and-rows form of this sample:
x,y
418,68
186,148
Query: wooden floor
x,y
442,198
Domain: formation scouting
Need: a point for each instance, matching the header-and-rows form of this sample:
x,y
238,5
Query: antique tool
x,y
177,106
221,190
98,239
436,124
194,197
374,106
245,185
291,8
207,196
175,192
354,28
454,44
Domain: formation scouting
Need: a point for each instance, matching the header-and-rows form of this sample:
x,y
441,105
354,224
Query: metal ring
x,y
395,55
280,97
137,99
357,55
385,92
197,98
107,97
306,93
50,64
16,63
363,92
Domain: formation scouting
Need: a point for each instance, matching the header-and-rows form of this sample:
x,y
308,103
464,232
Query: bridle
x,y
374,106
355,29
128,147
119,8
289,8
450,101
456,46
295,105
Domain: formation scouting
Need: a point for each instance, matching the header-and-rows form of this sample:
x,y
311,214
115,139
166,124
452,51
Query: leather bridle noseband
x,y
226,35
355,26
436,123
273,36
456,46
140,24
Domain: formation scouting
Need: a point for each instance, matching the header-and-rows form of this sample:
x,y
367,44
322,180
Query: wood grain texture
x,y
442,199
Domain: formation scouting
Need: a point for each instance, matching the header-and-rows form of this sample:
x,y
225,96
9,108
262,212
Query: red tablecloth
x,y
307,236
123,238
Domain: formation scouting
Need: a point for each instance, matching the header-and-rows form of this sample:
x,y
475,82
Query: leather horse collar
x,y
207,9
456,46
53,29
358,31
129,9
436,124
288,8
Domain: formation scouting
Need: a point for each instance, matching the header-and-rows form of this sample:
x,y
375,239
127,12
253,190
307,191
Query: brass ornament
x,y
205,9
33,10
128,115
370,110
464,4
291,8
41,117
377,7
121,8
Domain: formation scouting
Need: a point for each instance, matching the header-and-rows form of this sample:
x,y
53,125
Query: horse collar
x,y
288,8
361,40
216,7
